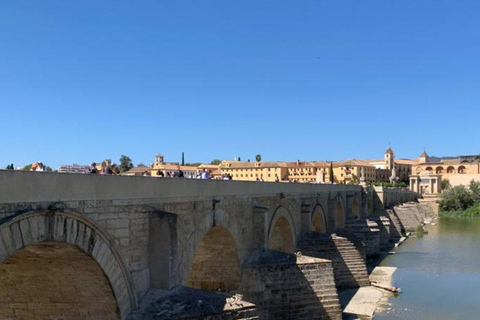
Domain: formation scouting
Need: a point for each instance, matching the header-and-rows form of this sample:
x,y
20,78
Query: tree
x,y
183,159
445,184
125,163
258,157
216,162
330,173
456,198
475,191
193,164
354,179
27,167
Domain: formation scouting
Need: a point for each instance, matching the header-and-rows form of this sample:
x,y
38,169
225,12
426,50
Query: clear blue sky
x,y
81,81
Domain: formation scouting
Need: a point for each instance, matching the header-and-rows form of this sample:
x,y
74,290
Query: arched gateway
x,y
72,254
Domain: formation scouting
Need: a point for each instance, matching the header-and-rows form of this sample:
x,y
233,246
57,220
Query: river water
x,y
439,273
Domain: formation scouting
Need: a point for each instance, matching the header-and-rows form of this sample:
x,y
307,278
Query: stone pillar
x,y
284,286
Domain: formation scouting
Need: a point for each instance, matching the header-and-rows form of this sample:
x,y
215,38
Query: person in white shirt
x,y
204,174
40,166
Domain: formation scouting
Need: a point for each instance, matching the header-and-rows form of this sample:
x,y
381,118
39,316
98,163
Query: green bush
x,y
456,198
470,212
461,201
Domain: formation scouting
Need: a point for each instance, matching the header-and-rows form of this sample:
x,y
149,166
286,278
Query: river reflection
x,y
439,273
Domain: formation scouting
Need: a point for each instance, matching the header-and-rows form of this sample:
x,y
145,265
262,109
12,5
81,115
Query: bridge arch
x,y
281,232
216,265
318,220
339,212
355,208
70,230
40,276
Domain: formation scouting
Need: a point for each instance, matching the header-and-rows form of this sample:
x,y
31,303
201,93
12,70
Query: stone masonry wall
x,y
51,292
284,288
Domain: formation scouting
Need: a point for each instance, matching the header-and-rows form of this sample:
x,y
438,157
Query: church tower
x,y
389,158
424,158
159,159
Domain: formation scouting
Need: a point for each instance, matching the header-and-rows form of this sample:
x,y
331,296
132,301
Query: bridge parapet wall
x,y
390,197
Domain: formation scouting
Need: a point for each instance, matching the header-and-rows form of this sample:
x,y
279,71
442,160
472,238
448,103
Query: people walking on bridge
x,y
204,174
40,166
93,168
179,173
107,169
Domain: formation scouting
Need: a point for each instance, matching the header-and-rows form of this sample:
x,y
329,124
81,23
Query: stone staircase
x,y
349,268
284,286
396,227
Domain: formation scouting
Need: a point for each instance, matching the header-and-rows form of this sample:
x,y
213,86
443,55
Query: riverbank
x,y
366,302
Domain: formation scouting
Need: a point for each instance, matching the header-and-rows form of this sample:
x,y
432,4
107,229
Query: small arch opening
x,y
281,237
339,216
215,266
318,221
355,208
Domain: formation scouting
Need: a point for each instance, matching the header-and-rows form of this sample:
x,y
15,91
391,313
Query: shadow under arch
x,y
215,266
49,279
27,229
318,220
355,208
281,232
339,213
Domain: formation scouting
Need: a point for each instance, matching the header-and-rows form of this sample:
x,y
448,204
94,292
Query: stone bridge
x,y
102,247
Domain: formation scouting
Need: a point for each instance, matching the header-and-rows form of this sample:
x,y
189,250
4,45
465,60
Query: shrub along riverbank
x,y
461,201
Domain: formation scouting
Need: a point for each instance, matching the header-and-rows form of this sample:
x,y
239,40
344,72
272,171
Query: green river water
x,y
439,273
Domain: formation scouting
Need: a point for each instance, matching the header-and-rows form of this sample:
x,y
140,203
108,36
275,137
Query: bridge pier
x,y
284,286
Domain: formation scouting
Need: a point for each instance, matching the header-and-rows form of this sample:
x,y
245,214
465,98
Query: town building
x,y
350,171
385,167
457,171
252,171
160,167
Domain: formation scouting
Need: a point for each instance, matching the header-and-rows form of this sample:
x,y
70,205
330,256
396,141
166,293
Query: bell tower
x,y
159,158
424,158
389,158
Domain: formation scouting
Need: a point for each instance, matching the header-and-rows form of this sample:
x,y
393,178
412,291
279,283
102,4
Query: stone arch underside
x,y
319,221
339,215
281,236
355,208
216,264
55,280
34,228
